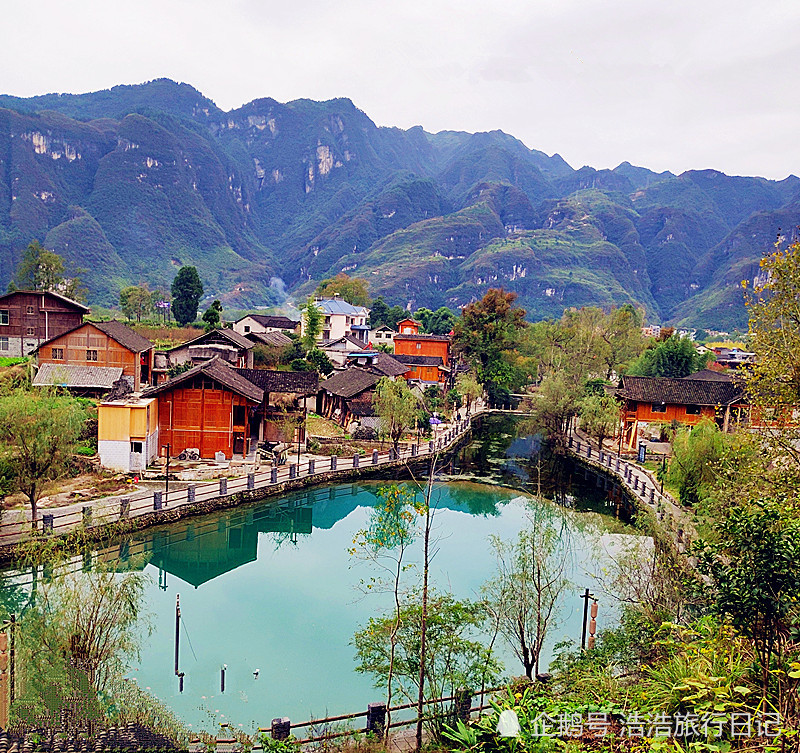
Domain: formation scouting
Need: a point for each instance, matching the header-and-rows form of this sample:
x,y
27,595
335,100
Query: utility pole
x,y
585,596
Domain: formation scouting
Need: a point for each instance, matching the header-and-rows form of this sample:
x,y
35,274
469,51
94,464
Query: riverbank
x,y
92,521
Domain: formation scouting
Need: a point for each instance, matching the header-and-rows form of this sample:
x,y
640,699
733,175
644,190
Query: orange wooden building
x,y
427,356
661,400
210,407
102,344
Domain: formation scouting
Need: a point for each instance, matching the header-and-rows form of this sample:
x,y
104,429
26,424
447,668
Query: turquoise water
x,y
278,592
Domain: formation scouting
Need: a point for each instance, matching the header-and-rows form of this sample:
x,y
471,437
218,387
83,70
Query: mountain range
x,y
130,183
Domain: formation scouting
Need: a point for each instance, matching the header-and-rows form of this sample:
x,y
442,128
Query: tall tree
x,y
38,433
213,316
354,290
396,406
600,415
187,290
674,357
486,329
312,324
42,269
135,301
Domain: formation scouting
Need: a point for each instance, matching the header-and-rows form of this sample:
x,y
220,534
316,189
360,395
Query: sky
x,y
667,85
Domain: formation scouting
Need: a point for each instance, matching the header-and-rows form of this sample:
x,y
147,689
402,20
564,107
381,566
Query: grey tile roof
x,y
339,306
275,339
216,370
125,336
70,375
224,333
270,380
350,382
419,360
267,320
437,338
57,296
684,391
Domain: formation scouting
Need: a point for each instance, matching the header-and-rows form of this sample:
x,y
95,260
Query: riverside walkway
x,y
143,509
674,519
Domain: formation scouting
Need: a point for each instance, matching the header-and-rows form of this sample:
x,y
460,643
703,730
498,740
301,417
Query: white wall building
x,y
340,319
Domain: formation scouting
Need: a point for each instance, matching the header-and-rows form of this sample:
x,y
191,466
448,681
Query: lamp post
x,y
166,474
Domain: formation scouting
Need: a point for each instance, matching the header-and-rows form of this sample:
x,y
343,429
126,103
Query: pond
x,y
272,589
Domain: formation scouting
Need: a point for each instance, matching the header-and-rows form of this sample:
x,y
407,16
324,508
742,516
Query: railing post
x,y
157,498
223,487
191,493
292,470
355,460
652,496
273,476
374,457
570,440
87,516
430,446
376,718
124,508
333,462
311,466
463,704
251,480
578,447
413,451
281,728
588,451
47,523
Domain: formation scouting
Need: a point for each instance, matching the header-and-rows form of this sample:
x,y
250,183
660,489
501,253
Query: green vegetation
x,y
353,290
186,293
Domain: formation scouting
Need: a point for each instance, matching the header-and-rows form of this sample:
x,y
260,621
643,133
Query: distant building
x,y
235,349
341,319
383,335
258,323
109,344
338,350
652,330
29,318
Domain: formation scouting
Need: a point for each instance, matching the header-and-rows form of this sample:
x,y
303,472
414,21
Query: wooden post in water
x,y
177,630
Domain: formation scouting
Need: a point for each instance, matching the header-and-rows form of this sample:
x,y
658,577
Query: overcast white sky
x,y
668,85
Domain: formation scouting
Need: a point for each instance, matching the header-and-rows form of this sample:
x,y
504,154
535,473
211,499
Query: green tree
x,y
187,290
600,415
384,543
39,432
213,316
439,322
485,331
396,406
354,290
696,455
312,324
674,357
552,406
456,656
320,361
469,388
525,594
379,313
136,301
42,269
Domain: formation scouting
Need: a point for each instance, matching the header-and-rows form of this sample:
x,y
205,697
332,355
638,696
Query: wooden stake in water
x,y
177,629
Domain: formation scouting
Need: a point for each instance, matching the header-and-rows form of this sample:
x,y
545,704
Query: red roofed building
x,y
427,356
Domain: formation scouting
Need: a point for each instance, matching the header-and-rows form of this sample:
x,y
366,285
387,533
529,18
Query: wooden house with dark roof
x,y
211,407
29,318
235,349
109,344
376,360
687,400
427,356
263,323
344,395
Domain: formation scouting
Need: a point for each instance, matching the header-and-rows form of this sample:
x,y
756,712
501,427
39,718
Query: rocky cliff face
x,y
133,182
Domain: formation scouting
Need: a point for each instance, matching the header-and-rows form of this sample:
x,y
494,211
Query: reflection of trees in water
x,y
505,451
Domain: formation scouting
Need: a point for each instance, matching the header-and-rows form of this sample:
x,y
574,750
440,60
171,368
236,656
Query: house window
x,y
30,332
659,408
30,309
419,346
136,447
91,355
693,410
57,354
4,317
3,343
246,329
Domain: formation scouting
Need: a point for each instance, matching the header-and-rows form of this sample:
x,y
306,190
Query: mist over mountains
x,y
133,182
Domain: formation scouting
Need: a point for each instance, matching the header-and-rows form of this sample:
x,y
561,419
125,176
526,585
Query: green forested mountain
x,y
131,183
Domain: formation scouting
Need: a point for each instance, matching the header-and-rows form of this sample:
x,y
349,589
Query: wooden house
x,y
347,395
110,344
662,400
29,318
263,323
211,407
235,349
427,356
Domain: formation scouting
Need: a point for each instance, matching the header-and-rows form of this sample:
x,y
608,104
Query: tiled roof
x,y
276,339
344,339
125,336
223,333
349,382
680,391
267,320
269,380
437,338
711,375
419,360
338,306
216,370
70,375
58,296
389,365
